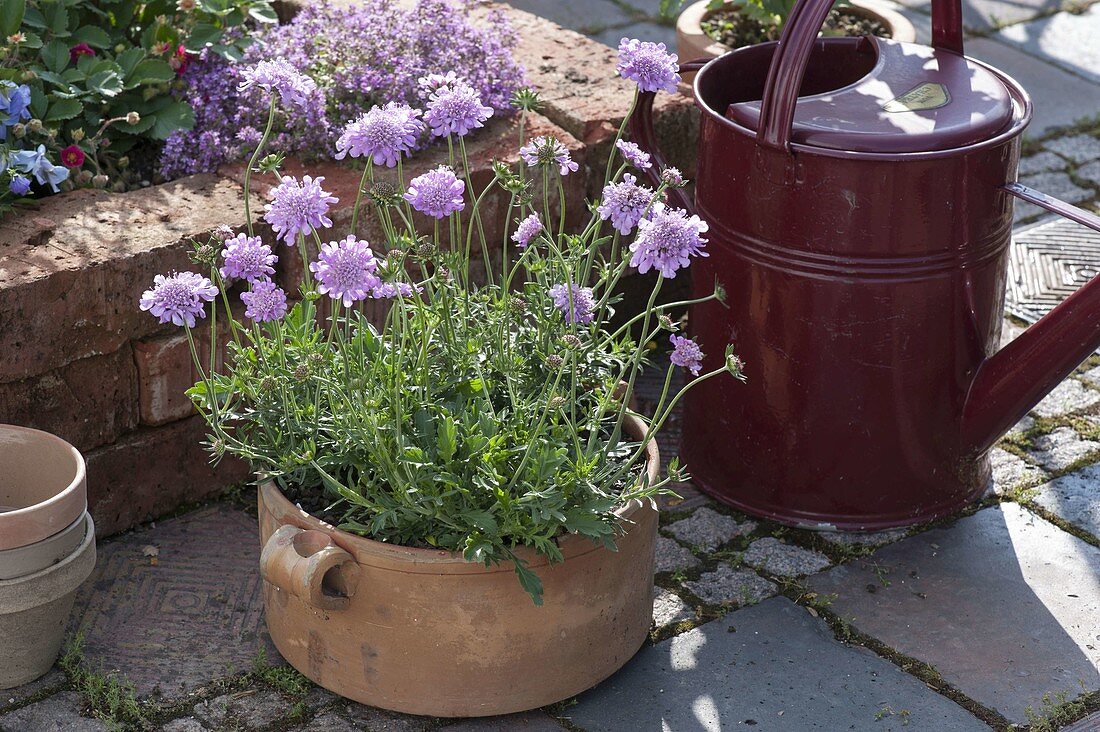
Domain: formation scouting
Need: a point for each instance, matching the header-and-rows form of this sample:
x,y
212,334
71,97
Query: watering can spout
x,y
1010,383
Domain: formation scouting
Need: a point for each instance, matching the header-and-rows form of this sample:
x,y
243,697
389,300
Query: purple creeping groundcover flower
x,y
634,155
548,151
437,193
382,134
625,203
264,302
296,208
649,65
455,108
345,270
247,258
19,185
279,76
527,230
686,354
179,297
666,240
433,82
583,303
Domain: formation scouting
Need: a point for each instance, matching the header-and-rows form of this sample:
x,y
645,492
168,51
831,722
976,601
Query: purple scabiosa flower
x,y
179,297
296,208
437,193
279,76
247,258
634,155
672,177
686,354
527,230
345,270
383,133
265,301
455,108
625,203
548,151
666,239
649,65
434,82
582,301
387,290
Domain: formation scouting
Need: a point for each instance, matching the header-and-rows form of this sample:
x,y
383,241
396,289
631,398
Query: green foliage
x,y
112,699
102,72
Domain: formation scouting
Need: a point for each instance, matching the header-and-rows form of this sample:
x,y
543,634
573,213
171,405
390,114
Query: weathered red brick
x,y
89,402
72,292
153,471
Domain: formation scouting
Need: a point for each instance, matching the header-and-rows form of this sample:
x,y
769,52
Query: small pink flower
x,y
80,49
72,157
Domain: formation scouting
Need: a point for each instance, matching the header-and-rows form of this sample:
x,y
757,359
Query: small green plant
x,y
285,679
1055,710
111,698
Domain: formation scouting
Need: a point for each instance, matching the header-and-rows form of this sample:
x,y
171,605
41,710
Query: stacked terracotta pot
x,y
47,548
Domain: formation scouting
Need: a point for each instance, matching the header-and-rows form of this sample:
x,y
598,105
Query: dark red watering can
x,y
859,193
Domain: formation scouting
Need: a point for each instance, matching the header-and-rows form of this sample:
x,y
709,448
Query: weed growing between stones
x,y
110,697
1057,710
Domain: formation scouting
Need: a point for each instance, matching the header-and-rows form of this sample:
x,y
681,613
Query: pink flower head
x,y
80,49
345,270
666,240
382,134
547,151
179,297
247,258
686,354
455,108
298,208
279,76
437,193
625,203
264,302
634,155
527,230
72,157
649,65
575,302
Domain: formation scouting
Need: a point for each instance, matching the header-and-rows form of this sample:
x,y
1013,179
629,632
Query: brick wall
x,y
80,360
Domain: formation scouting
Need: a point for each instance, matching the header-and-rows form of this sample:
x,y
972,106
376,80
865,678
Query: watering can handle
x,y
793,54
641,132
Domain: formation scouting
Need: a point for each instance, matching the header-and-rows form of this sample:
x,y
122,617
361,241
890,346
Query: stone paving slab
x,y
707,529
193,616
669,608
1090,723
1060,98
1075,498
1061,448
769,667
58,713
1011,472
1002,603
1065,39
1069,397
983,15
783,560
670,556
729,586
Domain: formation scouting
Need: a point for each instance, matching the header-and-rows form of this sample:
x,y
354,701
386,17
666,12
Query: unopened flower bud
x,y
571,340
316,359
267,385
425,250
554,361
99,181
132,118
734,364
204,254
222,232
120,47
556,402
526,99
185,5
301,373
84,177
384,194
123,162
35,125
29,75
395,254
66,185
518,304
218,447
666,322
78,134
19,130
673,178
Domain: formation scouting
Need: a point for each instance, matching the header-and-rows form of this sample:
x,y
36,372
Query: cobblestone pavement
x,y
988,620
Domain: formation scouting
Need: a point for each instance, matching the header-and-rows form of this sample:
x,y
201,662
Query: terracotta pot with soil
x,y
423,631
702,32
47,548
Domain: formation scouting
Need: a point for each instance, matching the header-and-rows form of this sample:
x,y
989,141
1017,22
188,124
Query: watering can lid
x,y
914,99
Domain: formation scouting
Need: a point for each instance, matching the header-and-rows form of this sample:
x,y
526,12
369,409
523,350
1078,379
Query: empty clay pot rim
x,y
571,545
77,484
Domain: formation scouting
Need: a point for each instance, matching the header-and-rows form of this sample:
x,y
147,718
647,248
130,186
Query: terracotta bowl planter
x,y
692,43
425,632
42,486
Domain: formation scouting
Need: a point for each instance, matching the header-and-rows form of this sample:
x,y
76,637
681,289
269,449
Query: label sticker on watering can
x,y
925,96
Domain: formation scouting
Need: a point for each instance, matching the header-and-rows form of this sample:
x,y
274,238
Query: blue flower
x,y
14,105
35,163
19,185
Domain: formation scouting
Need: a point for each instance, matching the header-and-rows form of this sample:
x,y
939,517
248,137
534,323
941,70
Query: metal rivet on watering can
x,y
859,193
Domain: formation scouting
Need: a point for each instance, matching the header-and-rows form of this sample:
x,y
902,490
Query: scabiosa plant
x,y
265,302
278,75
298,207
649,65
455,108
179,297
477,415
625,203
345,271
437,193
383,134
247,258
634,155
667,240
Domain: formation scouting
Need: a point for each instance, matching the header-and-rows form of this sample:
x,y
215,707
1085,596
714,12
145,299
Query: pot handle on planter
x,y
309,565
641,130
